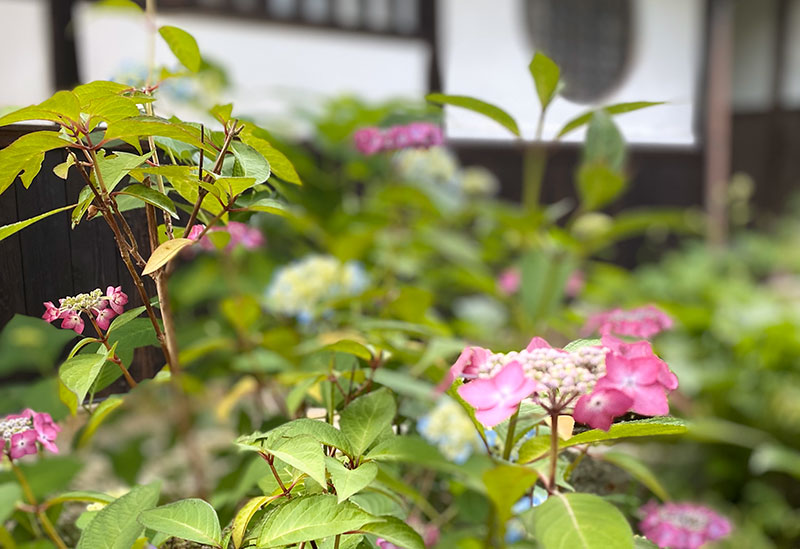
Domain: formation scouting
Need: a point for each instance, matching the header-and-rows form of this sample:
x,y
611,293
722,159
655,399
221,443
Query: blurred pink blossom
x,y
509,281
682,525
575,283
241,235
373,140
644,322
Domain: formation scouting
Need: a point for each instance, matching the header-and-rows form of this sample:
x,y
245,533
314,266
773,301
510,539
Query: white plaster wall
x,y
272,68
486,53
24,53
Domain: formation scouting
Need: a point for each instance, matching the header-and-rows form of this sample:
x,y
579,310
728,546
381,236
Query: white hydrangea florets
x,y
303,288
449,428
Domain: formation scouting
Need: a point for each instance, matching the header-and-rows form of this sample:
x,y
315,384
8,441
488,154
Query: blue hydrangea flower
x,y
449,428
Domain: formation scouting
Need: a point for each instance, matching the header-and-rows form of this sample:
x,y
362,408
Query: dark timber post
x,y
65,59
718,119
428,30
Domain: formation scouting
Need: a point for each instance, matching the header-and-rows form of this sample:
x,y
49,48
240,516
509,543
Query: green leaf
x,y
8,230
252,162
309,518
573,346
115,526
63,106
505,485
270,205
657,426
409,449
151,196
578,521
80,495
476,105
27,343
321,431
349,481
366,418
350,347
619,108
639,471
26,155
158,127
116,166
183,46
10,494
78,374
222,113
62,170
164,253
243,516
125,317
303,452
279,164
598,185
604,143
395,531
545,76
190,519
101,413
234,186
99,89
775,457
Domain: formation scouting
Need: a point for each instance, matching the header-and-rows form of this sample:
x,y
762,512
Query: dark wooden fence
x,y
48,260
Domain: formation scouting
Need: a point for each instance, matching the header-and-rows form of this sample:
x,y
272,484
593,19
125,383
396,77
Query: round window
x,y
589,39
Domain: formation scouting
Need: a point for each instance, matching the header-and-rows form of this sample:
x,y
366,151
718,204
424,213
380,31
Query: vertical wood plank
x,y
45,246
12,283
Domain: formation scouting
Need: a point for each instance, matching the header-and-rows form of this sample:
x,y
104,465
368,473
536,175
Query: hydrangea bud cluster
x,y
643,322
305,287
241,235
22,432
373,140
100,307
450,429
682,525
562,372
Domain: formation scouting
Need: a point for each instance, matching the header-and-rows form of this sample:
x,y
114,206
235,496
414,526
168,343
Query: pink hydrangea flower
x,y
103,317
22,444
599,408
637,378
682,525
467,365
51,312
22,431
509,281
495,399
196,231
368,141
642,349
46,430
643,322
117,299
71,320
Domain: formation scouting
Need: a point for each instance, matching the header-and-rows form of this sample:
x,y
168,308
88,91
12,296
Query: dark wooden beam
x,y
64,55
